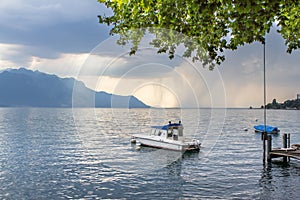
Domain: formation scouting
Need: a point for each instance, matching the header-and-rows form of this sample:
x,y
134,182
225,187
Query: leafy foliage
x,y
288,104
205,27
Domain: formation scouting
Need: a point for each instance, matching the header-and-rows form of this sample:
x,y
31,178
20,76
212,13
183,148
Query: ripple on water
x,y
86,154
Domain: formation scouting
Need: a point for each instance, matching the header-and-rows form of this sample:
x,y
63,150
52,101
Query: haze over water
x,y
86,153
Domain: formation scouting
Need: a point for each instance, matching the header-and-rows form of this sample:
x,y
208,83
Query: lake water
x,y
86,154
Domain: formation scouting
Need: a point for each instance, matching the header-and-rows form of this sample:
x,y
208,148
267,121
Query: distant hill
x,y
288,104
26,88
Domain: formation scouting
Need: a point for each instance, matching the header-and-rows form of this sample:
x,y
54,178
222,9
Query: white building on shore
x,y
298,96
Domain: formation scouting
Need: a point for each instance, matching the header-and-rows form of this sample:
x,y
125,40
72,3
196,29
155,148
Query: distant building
x,y
298,96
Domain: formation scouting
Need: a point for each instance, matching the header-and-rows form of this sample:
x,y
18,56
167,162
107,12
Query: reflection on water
x,y
86,153
280,180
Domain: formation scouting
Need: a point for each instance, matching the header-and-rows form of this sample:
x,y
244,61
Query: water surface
x,y
86,153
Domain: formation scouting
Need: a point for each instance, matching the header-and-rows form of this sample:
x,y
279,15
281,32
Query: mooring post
x,y
284,141
289,144
264,137
269,148
284,145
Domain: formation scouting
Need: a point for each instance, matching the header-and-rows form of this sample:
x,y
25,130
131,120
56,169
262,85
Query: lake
x,y
53,153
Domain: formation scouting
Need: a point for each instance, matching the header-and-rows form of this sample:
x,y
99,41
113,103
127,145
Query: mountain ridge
x,y
26,88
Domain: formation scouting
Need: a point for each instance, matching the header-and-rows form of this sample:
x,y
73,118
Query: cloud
x,y
51,27
38,13
146,63
243,73
12,56
185,85
152,77
67,65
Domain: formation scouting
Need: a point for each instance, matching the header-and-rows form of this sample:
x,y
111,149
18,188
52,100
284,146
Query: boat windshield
x,y
156,132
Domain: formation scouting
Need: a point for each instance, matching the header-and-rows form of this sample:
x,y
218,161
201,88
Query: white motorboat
x,y
169,136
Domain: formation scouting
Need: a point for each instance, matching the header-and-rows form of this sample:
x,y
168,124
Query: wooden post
x,y
269,148
284,145
263,136
284,141
289,144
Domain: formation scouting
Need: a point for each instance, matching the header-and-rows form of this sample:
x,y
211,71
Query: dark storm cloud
x,y
49,28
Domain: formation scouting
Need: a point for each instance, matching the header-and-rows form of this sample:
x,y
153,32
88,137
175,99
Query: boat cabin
x,y
169,131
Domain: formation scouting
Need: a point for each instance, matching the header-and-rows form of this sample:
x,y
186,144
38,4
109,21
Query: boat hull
x,y
270,132
156,142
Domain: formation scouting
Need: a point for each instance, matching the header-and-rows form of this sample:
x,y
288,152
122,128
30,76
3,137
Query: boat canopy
x,y
269,129
166,127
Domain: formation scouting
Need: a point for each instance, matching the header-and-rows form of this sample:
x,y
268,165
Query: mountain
x,y
22,88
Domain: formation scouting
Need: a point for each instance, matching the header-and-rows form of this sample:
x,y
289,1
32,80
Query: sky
x,y
64,37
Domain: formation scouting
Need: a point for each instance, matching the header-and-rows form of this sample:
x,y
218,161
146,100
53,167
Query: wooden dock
x,y
286,152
